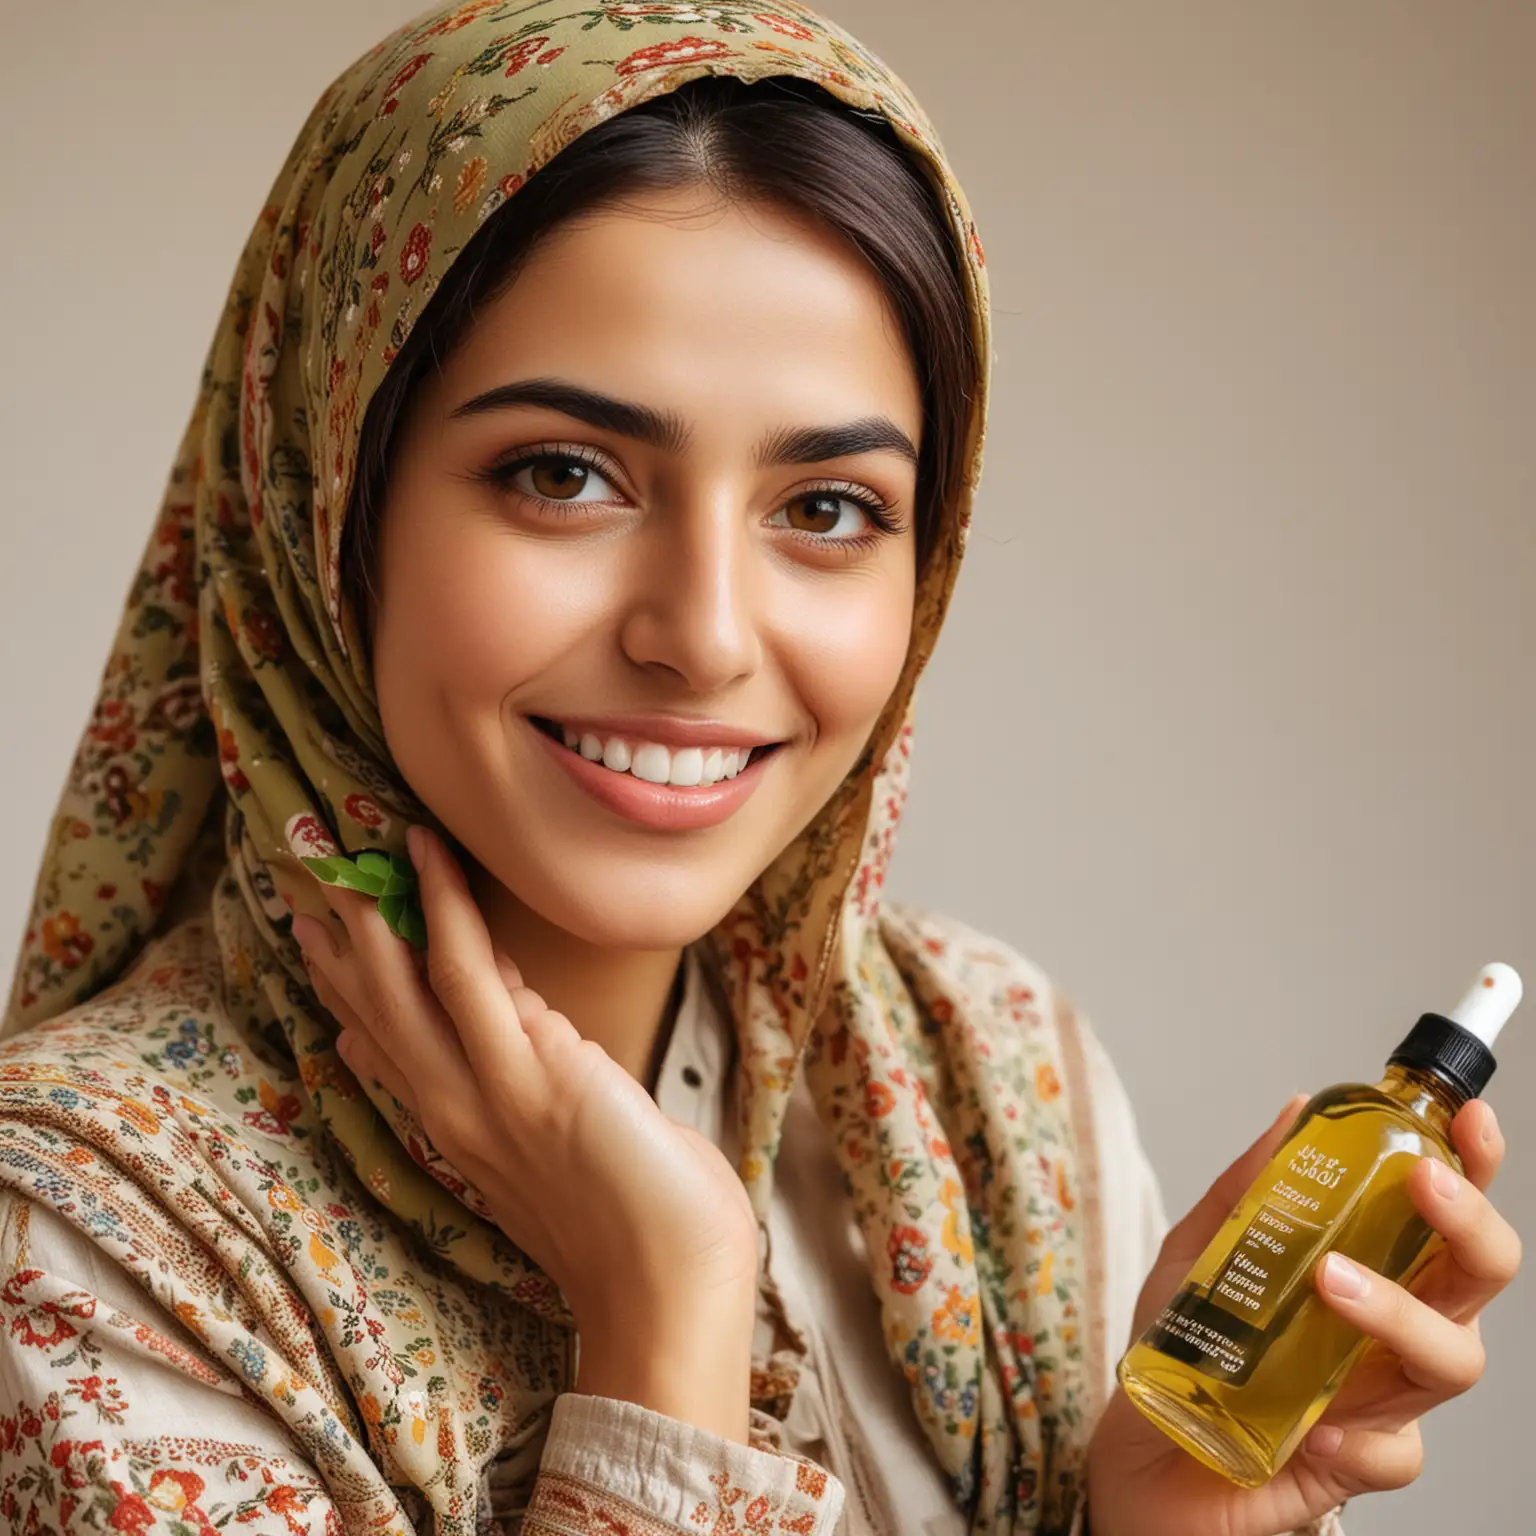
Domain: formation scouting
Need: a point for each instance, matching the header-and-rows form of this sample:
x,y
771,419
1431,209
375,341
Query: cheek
x,y
845,648
464,619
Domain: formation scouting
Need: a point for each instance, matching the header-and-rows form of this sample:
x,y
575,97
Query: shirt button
x,y
692,1078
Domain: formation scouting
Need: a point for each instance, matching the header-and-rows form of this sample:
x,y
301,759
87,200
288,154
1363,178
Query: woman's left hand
x,y
1427,1349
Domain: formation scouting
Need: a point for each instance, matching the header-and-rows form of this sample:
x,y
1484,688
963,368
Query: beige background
x,y
1231,729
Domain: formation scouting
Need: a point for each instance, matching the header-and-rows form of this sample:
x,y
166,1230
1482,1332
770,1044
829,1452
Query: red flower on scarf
x,y
175,1490
406,73
65,940
45,1335
229,762
460,18
113,726
365,811
307,837
264,633
519,55
413,259
132,1513
277,1113
911,1263
787,27
676,50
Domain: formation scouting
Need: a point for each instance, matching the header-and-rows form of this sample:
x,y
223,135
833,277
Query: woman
x,y
461,944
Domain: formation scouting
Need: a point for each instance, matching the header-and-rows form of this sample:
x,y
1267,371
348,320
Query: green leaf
x,y
413,927
340,870
388,878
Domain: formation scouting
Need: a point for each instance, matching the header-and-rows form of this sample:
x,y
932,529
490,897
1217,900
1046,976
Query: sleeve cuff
x,y
609,1464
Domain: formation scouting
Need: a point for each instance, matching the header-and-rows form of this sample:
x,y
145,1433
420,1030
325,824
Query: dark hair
x,y
782,141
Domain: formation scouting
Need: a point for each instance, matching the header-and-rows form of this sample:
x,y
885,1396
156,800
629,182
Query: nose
x,y
693,610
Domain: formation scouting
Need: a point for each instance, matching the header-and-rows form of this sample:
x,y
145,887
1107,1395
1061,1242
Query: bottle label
x,y
1218,1327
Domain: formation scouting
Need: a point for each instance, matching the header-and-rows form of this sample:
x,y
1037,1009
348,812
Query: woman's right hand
x,y
642,1222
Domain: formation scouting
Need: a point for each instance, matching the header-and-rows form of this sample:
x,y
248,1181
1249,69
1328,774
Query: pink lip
x,y
666,807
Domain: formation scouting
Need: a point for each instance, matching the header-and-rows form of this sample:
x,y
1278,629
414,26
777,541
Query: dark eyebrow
x,y
661,429
809,445
666,430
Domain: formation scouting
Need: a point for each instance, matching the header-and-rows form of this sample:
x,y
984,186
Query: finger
x,y
316,937
527,1002
330,963
396,1007
1354,1461
1482,1250
1440,1357
461,962
1478,1141
507,970
347,905
1192,1233
366,1061
331,998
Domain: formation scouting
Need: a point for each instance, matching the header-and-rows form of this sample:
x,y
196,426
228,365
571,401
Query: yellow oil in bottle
x,y
1246,1357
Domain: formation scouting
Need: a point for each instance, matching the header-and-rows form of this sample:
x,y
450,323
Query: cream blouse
x,y
852,1411
850,1415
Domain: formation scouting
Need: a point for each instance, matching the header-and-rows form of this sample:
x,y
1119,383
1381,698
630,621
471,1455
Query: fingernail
x,y
416,844
1443,1177
1490,1123
1341,1277
1325,1440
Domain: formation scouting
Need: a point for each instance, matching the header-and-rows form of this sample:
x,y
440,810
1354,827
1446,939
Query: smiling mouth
x,y
651,761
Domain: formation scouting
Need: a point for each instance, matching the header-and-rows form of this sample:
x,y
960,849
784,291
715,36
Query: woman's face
x,y
646,566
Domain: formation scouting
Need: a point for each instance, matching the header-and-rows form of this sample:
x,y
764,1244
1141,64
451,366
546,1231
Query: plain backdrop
x,y
1231,727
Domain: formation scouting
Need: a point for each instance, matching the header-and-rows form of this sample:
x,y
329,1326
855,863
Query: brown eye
x,y
558,479
554,478
816,513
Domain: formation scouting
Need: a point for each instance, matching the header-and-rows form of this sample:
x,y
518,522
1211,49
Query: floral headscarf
x,y
237,731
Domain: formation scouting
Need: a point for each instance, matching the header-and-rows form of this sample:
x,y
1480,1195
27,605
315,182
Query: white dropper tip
x,y
1490,1000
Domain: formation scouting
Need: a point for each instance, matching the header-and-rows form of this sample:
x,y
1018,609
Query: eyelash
x,y
501,473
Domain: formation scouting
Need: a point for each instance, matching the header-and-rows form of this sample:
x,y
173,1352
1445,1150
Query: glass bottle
x,y
1246,1357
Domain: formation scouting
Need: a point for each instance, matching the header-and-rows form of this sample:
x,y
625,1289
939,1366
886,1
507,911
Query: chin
x,y
630,903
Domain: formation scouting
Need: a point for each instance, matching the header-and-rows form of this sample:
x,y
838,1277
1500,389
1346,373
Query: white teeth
x,y
686,768
652,763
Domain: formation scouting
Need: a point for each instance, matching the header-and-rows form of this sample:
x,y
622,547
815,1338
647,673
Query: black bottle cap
x,y
1436,1044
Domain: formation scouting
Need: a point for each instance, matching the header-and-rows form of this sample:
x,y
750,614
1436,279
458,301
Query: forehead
x,y
706,306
